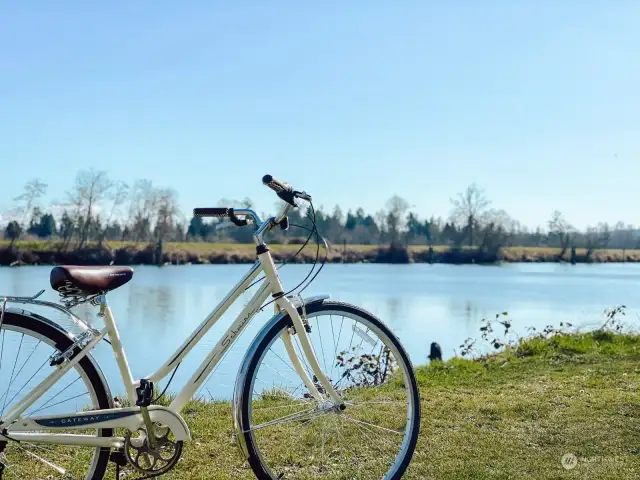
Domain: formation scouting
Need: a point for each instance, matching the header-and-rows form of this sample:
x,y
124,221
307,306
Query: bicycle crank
x,y
148,460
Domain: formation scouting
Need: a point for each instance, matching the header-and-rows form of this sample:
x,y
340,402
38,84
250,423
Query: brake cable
x,y
315,262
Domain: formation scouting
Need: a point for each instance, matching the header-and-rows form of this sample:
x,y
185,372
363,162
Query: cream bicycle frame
x,y
23,429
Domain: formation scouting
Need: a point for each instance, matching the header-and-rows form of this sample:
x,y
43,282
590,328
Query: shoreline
x,y
185,253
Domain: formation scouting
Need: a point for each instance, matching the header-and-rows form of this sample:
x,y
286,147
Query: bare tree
x,y
622,237
90,189
381,221
142,208
117,196
500,218
165,218
562,230
596,238
28,200
468,208
498,229
397,208
167,212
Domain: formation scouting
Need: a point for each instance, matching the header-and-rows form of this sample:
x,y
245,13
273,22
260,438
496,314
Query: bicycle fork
x,y
307,349
283,303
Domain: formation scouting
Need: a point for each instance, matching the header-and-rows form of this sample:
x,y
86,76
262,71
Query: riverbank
x,y
179,253
512,415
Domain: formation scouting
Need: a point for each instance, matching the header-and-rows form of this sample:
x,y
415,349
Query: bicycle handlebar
x,y
282,189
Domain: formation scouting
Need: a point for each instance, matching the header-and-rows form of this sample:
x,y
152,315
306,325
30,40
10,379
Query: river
x,y
422,303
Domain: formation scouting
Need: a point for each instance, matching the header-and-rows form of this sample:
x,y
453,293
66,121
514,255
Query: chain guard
x,y
152,462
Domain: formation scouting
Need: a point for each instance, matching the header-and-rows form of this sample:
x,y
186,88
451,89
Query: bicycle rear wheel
x,y
26,346
289,434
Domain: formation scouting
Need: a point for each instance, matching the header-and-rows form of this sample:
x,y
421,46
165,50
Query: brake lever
x,y
302,195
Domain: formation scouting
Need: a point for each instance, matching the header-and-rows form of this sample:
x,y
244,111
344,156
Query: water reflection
x,y
394,307
160,307
157,301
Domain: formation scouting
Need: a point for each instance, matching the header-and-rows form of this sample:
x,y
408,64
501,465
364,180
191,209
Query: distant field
x,y
205,252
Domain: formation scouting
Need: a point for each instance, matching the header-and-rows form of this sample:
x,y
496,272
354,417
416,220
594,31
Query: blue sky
x,y
536,101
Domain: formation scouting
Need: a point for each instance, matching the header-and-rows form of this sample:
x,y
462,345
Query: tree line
x,y
97,209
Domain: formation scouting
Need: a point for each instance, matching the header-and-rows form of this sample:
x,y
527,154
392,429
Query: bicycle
x,y
300,410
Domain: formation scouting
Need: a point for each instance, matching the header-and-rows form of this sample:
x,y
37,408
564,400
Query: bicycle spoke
x,y
6,394
67,399
276,388
277,372
360,404
335,353
333,336
279,407
287,364
367,433
304,415
372,425
9,468
58,469
47,449
322,347
53,398
27,382
322,454
2,350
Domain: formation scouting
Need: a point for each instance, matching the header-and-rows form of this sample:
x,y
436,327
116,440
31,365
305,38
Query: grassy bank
x,y
513,415
128,253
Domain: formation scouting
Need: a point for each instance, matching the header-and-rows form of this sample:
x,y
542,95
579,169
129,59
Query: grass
x,y
512,415
516,414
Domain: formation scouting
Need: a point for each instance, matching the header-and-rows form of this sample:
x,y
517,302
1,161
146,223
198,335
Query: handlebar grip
x,y
212,212
283,189
276,185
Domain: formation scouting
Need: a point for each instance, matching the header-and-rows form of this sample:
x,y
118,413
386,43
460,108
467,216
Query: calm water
x,y
161,306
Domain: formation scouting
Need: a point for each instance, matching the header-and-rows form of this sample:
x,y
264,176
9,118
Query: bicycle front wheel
x,y
289,434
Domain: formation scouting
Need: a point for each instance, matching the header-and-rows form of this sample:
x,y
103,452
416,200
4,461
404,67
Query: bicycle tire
x,y
261,470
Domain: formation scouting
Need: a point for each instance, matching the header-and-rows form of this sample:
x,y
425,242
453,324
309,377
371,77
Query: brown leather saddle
x,y
75,280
